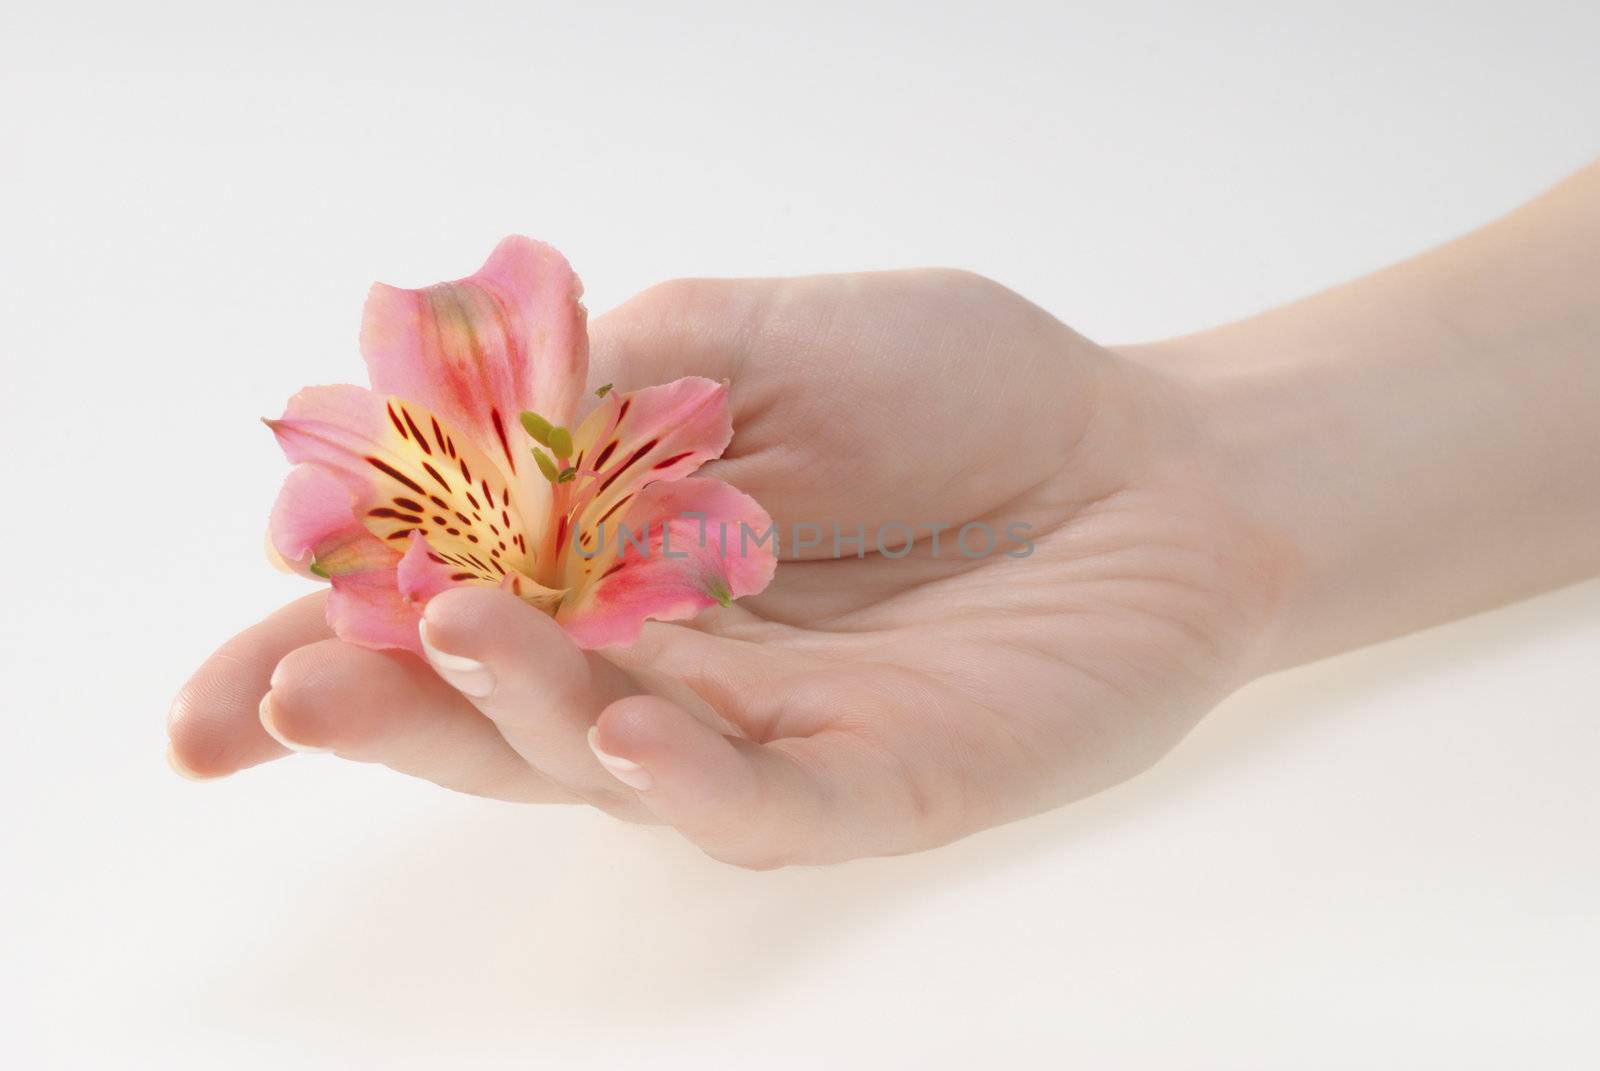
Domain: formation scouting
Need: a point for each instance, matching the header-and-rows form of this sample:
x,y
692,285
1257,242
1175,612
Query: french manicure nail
x,y
629,773
265,713
466,675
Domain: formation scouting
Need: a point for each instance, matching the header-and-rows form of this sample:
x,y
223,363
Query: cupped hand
x,y
1078,593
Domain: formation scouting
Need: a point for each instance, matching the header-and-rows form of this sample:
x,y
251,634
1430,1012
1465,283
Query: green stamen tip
x,y
546,466
318,570
560,441
537,427
719,591
567,475
605,389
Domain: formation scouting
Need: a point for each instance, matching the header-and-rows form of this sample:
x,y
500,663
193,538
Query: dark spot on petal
x,y
500,433
401,428
384,511
623,501
395,474
435,474
635,456
422,440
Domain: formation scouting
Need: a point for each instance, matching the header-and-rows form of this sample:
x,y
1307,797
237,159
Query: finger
x,y
677,328
799,800
212,728
522,671
389,708
703,327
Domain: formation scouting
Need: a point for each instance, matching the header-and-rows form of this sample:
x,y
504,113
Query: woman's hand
x,y
1405,449
868,702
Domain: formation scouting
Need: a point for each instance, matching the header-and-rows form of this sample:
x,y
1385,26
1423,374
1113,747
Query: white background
x,y
1387,860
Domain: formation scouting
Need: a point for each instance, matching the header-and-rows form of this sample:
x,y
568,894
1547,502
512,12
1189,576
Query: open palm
x,y
1008,581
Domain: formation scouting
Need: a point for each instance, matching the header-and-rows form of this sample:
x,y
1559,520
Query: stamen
x,y
537,427
560,442
546,466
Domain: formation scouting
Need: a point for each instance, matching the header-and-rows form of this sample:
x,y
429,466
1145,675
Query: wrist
x,y
1238,430
1413,472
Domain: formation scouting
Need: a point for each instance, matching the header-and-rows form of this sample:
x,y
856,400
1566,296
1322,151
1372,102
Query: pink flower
x,y
460,467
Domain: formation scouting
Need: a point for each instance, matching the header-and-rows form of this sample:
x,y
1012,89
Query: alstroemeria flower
x,y
459,467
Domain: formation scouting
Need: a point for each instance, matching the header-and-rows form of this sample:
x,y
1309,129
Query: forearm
x,y
1426,439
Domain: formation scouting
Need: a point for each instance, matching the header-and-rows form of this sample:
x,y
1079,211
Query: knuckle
x,y
958,277
669,295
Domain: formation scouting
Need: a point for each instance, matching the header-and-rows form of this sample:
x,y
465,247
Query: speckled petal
x,y
705,548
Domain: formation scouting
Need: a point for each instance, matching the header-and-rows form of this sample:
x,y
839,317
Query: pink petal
x,y
614,593
333,426
406,471
314,510
481,350
368,610
314,523
638,438
422,574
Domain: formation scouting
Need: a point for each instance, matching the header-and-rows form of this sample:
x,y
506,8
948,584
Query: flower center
x,y
447,491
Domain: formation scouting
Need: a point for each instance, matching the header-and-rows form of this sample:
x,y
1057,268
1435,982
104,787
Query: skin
x,y
1405,449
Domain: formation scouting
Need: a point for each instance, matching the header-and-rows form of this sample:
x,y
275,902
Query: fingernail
x,y
183,771
466,675
269,723
629,773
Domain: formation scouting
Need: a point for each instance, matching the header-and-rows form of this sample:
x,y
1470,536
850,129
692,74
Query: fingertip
x,y
267,713
212,726
630,773
183,770
648,728
695,774
467,607
309,688
483,622
204,747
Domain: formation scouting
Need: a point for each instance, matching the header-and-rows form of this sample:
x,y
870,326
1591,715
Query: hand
x,y
861,705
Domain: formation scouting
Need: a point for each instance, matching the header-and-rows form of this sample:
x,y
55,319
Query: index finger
x,y
213,727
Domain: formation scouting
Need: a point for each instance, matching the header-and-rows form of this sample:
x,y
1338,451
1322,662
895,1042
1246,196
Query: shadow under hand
x,y
504,928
